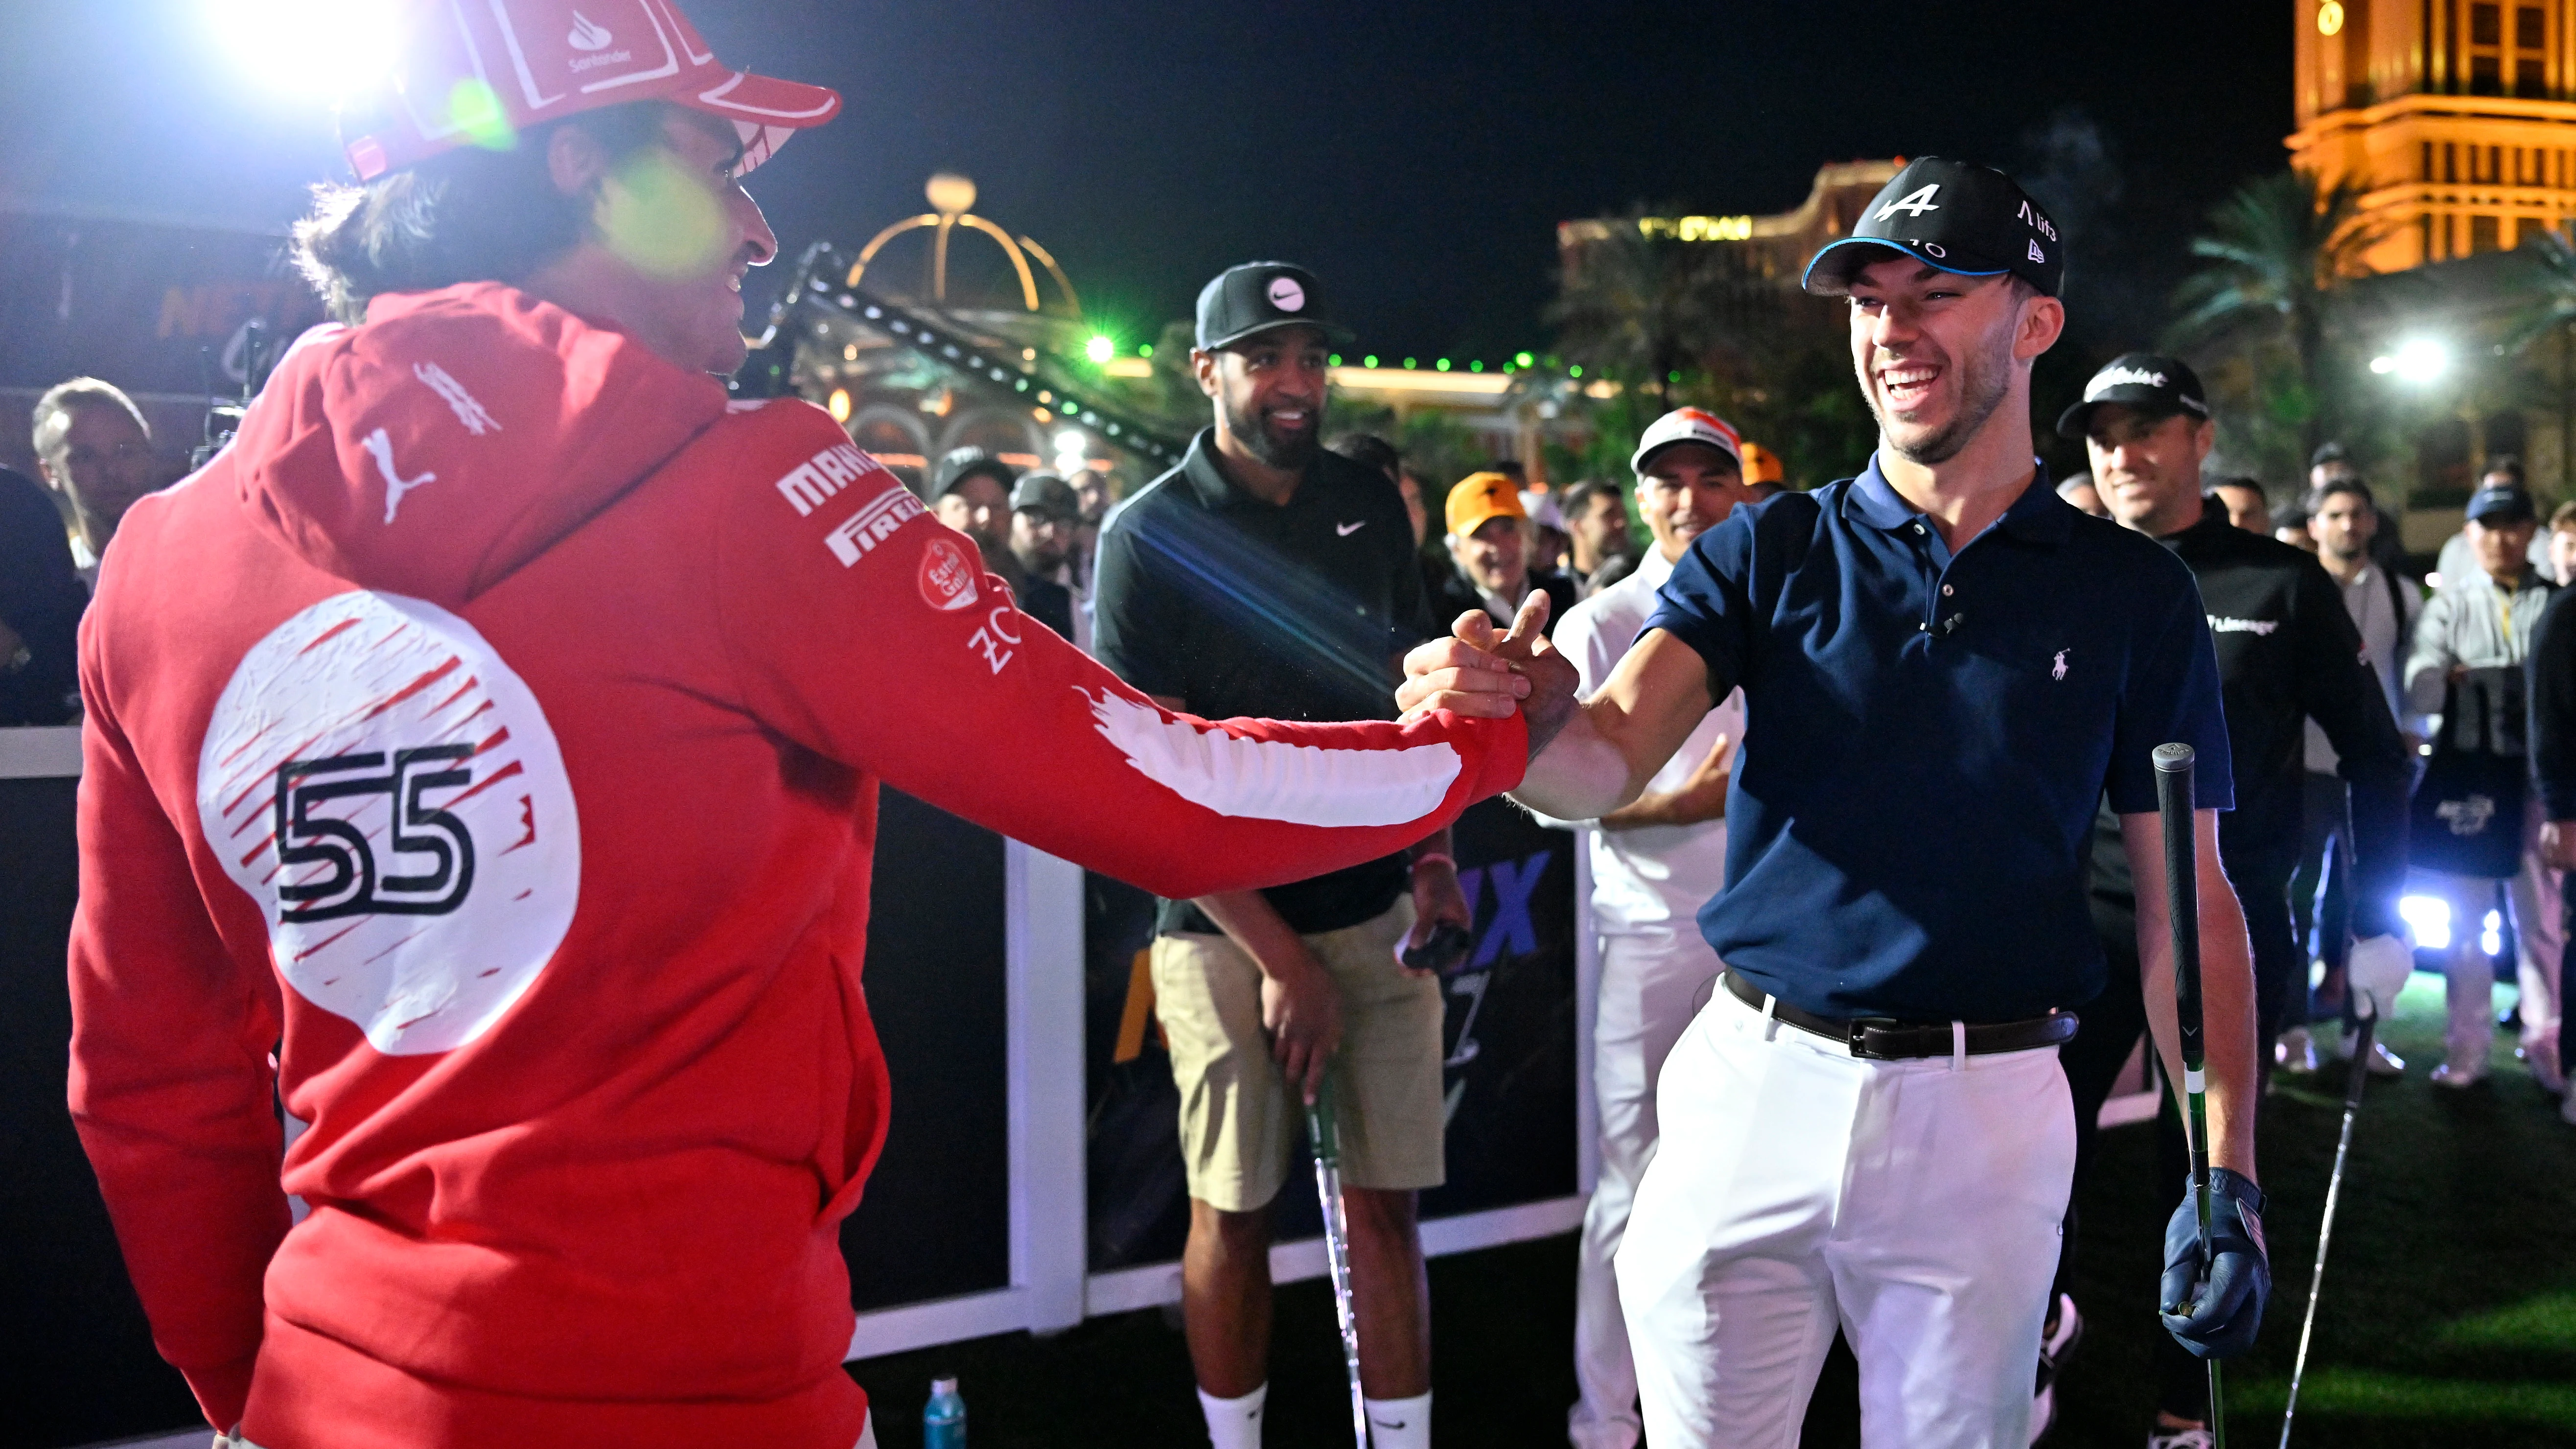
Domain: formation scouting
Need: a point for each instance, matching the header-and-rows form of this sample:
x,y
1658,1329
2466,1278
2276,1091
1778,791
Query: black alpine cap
x,y
2142,380
1259,297
1954,215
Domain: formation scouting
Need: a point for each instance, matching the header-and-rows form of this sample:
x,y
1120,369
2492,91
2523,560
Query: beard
x,y
1288,455
1983,382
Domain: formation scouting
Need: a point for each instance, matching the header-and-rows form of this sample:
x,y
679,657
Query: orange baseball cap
x,y
477,74
1761,465
1482,496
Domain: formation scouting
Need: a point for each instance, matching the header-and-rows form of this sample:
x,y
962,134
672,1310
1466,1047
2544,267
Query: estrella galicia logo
x,y
352,883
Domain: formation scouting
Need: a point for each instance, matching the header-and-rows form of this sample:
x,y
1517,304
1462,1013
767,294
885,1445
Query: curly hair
x,y
469,215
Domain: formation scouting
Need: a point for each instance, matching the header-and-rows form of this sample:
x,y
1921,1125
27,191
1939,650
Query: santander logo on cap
x,y
477,74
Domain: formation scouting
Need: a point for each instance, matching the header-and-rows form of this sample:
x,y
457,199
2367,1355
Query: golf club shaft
x,y
2325,1226
2175,800
1337,1245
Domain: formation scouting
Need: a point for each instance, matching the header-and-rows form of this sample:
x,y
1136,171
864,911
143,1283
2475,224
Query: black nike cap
x,y
1954,215
2159,386
1260,297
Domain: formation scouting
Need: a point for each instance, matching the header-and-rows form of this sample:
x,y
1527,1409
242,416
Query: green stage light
x,y
1475,367
1575,371
1146,351
1333,361
1408,363
1100,349
1523,359
1369,361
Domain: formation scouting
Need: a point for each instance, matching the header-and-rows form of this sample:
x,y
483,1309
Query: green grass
x,y
2449,1315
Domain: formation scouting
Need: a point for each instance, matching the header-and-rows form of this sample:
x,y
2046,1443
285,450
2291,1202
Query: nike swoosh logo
x,y
1346,530
1388,1423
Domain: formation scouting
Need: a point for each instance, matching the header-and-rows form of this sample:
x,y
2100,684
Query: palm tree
x,y
1639,309
2279,248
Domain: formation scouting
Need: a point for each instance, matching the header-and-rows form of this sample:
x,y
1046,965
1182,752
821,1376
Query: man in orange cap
x,y
493,733
1489,544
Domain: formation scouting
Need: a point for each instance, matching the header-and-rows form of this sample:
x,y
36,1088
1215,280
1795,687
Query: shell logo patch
x,y
388,792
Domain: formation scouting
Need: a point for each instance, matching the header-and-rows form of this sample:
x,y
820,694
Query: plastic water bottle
x,y
943,1419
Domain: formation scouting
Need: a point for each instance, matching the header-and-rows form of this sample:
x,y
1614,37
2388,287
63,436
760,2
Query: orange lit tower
x,y
2457,117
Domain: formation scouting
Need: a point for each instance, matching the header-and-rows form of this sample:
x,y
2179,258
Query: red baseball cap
x,y
469,74
1687,425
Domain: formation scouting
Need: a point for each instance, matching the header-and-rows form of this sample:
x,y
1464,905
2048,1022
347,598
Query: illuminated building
x,y
1771,248
2456,117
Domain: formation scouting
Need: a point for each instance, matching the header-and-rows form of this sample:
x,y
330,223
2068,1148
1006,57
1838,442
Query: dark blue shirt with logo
x,y
1927,736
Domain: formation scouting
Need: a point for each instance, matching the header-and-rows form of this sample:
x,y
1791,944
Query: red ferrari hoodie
x,y
493,734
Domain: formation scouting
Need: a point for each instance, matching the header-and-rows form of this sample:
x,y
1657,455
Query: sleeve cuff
x,y
223,1390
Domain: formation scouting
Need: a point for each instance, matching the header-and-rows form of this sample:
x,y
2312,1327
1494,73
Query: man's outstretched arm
x,y
1587,759
902,658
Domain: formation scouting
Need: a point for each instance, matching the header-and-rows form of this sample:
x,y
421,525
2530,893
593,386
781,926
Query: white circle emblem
x,y
389,793
1286,295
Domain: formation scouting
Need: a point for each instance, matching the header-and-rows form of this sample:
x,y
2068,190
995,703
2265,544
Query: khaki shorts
x,y
1238,1120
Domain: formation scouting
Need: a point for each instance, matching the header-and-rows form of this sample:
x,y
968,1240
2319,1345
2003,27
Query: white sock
x,y
1235,1423
1400,1423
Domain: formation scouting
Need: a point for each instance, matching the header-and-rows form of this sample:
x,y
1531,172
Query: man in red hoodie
x,y
481,761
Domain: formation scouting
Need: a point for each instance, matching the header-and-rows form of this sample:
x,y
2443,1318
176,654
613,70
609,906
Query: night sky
x,y
1417,156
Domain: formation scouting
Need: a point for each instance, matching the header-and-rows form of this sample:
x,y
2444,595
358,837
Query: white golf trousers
x,y
1650,985
1915,1203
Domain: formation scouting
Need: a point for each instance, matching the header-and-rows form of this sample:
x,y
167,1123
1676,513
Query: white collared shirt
x,y
1652,877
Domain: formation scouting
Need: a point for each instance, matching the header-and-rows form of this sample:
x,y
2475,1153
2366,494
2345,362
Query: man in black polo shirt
x,y
1266,576
1944,667
2287,653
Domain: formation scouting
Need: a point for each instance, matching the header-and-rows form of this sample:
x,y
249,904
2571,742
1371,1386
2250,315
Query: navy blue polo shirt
x,y
1927,736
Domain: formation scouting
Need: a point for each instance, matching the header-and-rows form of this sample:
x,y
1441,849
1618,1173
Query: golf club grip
x,y
2174,800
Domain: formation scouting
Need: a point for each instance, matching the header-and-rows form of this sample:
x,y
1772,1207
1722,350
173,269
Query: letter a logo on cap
x,y
1286,295
1913,205
2036,254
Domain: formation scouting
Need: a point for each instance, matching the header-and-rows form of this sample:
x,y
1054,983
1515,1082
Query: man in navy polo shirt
x,y
1944,667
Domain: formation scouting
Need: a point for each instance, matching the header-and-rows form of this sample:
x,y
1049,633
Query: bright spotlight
x,y
2491,938
2418,360
1100,349
2429,918
1068,445
318,48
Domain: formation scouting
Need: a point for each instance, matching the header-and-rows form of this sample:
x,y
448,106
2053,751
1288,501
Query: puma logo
x,y
380,446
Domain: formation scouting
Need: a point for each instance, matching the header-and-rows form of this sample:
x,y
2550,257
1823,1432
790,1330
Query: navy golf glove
x,y
2218,1318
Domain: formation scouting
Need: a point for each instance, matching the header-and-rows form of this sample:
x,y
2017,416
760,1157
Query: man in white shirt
x,y
2342,521
1654,864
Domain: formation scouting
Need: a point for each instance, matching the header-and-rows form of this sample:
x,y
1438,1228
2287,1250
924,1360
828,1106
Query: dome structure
x,y
951,198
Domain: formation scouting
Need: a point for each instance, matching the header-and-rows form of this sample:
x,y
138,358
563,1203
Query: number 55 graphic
x,y
354,886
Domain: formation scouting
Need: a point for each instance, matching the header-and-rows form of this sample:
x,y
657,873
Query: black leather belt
x,y
1886,1039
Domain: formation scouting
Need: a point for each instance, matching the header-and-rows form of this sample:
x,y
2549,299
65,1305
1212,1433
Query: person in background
x,y
1268,575
2562,545
1596,520
1655,862
2078,492
1490,538
2458,558
970,491
1550,544
2290,526
2288,655
2248,507
93,448
2473,825
2342,519
2553,758
1044,514
41,599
